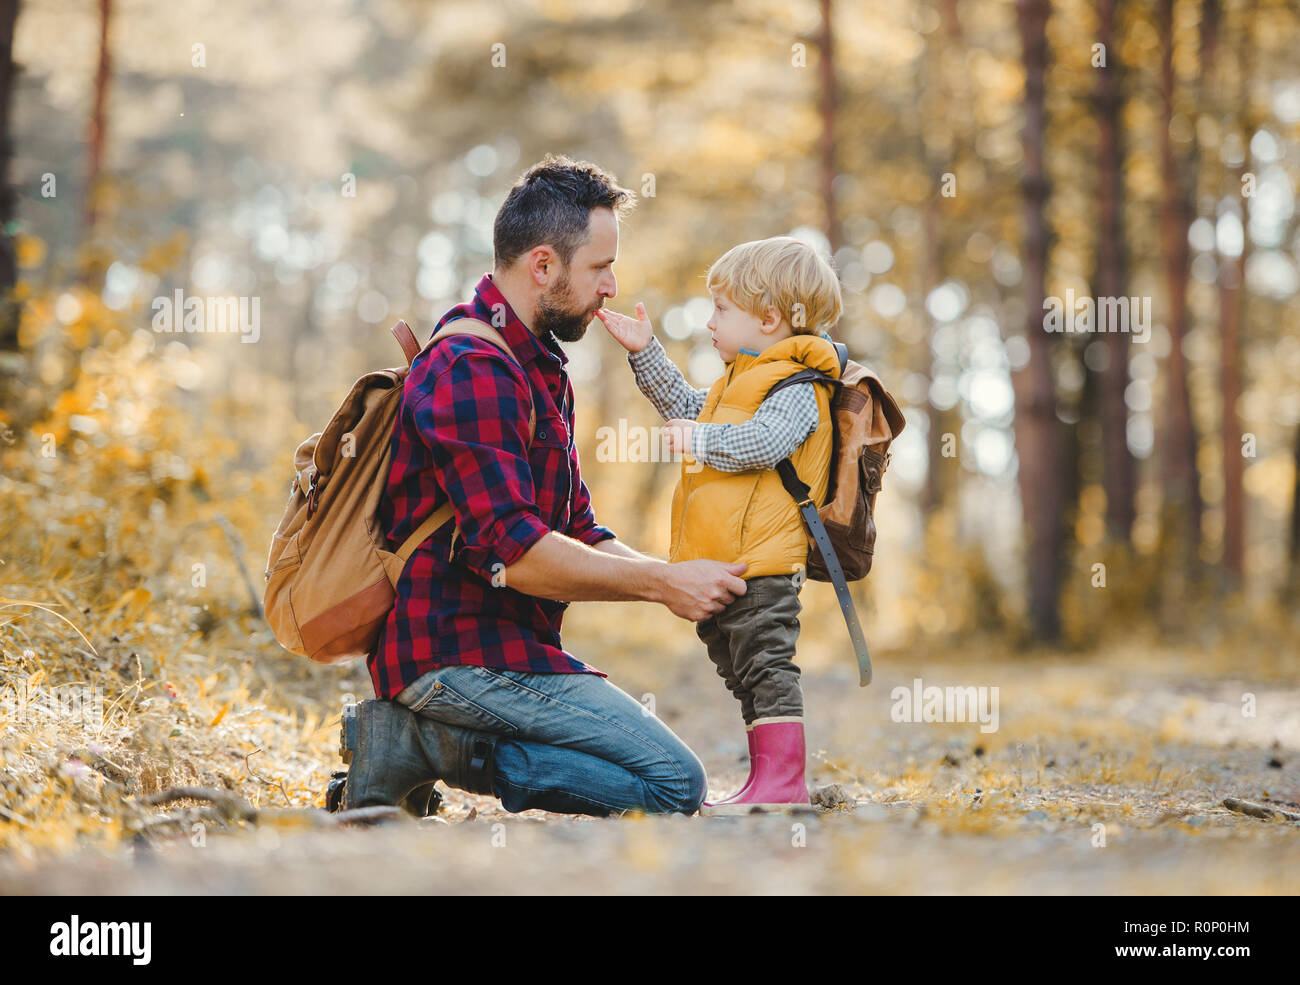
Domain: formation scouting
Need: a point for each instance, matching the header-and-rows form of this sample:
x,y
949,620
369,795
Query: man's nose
x,y
609,286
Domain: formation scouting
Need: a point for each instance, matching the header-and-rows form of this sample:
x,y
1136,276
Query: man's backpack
x,y
331,573
842,531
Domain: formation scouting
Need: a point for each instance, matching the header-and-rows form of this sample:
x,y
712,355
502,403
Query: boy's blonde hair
x,y
782,273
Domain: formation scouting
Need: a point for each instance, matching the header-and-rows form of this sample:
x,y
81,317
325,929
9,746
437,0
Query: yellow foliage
x,y
29,251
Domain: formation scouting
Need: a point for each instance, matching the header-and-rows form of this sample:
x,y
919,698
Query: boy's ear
x,y
771,320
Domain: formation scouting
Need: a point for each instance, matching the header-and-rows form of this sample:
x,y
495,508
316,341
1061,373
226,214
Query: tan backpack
x,y
842,531
331,574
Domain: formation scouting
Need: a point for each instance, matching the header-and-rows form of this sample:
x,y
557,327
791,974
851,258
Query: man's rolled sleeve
x,y
584,526
582,522
475,421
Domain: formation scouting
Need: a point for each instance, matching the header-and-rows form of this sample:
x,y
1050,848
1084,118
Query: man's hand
x,y
696,590
677,434
633,334
566,570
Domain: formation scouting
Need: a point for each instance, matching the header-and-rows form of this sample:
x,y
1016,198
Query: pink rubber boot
x,y
749,780
778,783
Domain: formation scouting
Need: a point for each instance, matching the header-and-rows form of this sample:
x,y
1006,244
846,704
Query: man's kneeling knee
x,y
685,794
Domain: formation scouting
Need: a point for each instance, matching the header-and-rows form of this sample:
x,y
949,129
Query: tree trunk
x,y
1120,479
1038,431
1232,301
932,495
1291,592
9,309
828,105
98,119
936,146
1182,489
925,81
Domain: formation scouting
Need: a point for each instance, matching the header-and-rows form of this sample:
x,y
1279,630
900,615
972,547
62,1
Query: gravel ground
x,y
1103,776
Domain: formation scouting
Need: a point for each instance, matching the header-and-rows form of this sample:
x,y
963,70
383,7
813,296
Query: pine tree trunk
x,y
98,119
1120,480
1232,301
1038,431
828,106
1291,592
1182,489
9,309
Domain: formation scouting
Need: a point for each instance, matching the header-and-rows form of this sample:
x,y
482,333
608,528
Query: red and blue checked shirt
x,y
461,434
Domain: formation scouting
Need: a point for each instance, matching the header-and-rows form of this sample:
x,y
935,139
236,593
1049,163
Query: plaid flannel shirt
x,y
461,434
780,425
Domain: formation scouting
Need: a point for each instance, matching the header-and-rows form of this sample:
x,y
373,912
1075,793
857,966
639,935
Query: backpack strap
x,y
797,488
461,326
406,339
842,353
803,376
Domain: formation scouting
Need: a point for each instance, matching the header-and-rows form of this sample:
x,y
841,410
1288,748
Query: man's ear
x,y
543,265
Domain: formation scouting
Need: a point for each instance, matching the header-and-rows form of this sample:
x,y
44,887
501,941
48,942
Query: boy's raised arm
x,y
662,383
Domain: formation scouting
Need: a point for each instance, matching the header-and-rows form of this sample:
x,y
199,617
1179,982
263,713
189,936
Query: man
x,y
483,696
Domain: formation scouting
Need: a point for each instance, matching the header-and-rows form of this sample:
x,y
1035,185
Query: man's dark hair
x,y
551,203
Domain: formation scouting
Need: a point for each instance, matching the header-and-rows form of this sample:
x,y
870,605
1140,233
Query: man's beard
x,y
555,314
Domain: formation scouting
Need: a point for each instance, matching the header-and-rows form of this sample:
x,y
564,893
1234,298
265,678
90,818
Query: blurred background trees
x,y
961,160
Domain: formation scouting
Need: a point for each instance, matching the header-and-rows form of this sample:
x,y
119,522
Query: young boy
x,y
774,301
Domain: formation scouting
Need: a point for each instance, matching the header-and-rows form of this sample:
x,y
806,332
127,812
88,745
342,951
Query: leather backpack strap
x,y
406,339
480,330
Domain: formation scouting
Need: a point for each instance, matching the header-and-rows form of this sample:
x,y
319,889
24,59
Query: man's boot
x,y
393,752
425,801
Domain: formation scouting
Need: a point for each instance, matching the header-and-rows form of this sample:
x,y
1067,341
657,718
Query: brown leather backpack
x,y
331,574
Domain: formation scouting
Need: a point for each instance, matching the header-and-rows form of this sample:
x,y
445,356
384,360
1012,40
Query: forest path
x,y
1144,754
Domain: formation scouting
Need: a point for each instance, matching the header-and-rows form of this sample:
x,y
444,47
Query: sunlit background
x,y
343,162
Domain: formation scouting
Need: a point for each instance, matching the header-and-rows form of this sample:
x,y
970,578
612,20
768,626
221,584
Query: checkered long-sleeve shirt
x,y
462,435
780,425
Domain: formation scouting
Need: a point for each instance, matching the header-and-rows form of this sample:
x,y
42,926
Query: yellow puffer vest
x,y
748,516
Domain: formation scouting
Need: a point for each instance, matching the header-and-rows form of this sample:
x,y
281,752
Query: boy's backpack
x,y
331,573
842,531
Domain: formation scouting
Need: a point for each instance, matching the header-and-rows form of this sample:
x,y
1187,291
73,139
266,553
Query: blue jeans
x,y
567,743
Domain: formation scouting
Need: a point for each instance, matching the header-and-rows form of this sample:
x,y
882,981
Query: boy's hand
x,y
633,334
677,434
